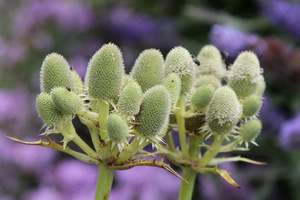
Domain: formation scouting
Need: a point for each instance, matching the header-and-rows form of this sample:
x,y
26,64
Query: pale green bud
x,y
47,110
117,128
245,74
180,61
78,82
148,69
223,111
251,130
55,72
251,105
261,87
67,102
155,110
210,61
203,96
173,85
207,79
130,99
105,72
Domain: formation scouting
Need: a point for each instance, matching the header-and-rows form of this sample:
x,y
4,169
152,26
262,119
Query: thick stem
x,y
181,126
103,114
194,146
186,189
104,182
212,152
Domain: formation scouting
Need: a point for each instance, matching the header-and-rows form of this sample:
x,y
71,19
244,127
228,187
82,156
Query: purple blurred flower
x,y
290,133
11,52
285,14
226,38
45,193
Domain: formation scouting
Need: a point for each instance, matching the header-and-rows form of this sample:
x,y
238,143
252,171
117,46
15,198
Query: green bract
x,y
251,130
148,69
180,61
251,105
245,74
223,111
130,99
55,72
105,72
211,61
155,110
67,102
202,96
47,110
117,128
173,85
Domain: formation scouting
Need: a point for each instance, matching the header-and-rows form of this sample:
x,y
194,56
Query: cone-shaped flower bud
x,y
173,85
180,61
211,61
67,102
148,69
207,79
155,110
130,99
117,128
251,105
55,72
203,96
251,130
105,72
223,111
47,110
245,74
78,82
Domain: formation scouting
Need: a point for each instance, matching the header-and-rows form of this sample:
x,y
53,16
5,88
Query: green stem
x,y
194,146
181,126
170,141
186,189
103,114
104,182
213,150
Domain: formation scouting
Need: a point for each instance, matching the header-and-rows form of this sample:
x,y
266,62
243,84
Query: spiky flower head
x,y
223,111
105,72
245,74
148,69
207,79
211,61
130,99
67,102
117,130
155,110
202,96
251,105
180,61
173,85
55,72
78,82
250,131
47,110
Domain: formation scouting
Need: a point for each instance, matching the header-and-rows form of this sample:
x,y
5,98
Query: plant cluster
x,y
214,109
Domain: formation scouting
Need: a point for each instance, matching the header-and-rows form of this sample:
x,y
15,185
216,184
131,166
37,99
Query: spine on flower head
x,y
47,110
105,72
211,62
154,112
251,105
223,111
173,85
117,128
55,72
180,61
130,99
245,74
67,102
202,96
148,69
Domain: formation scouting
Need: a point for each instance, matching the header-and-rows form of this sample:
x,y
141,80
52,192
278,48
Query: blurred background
x,y
31,29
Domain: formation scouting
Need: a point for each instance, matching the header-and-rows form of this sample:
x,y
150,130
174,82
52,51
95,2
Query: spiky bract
x,y
105,72
55,72
148,69
180,61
